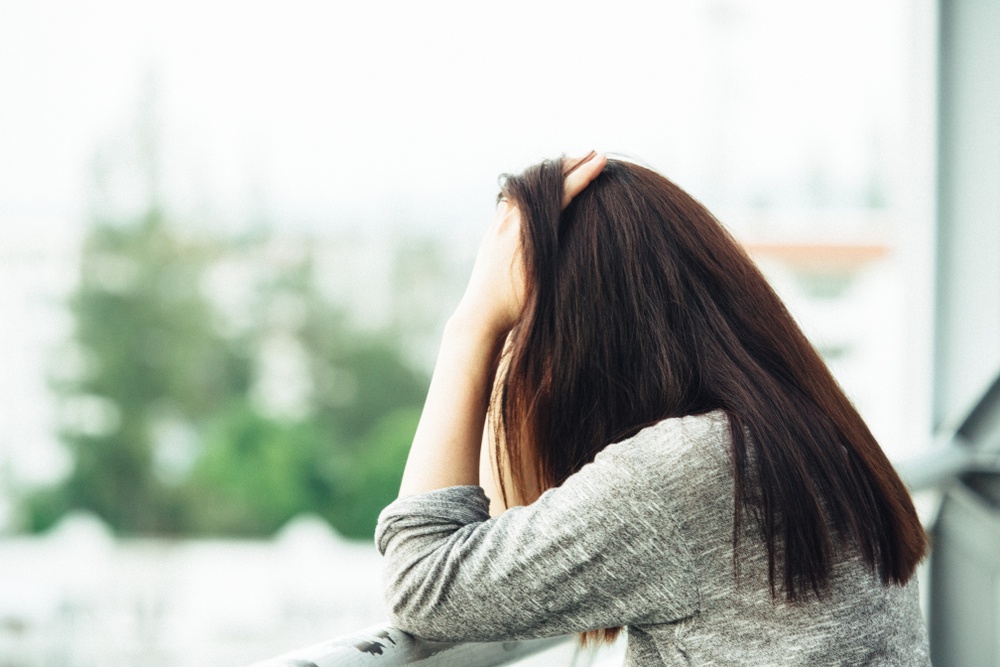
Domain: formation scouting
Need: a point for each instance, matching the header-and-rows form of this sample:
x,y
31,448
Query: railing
x,y
385,646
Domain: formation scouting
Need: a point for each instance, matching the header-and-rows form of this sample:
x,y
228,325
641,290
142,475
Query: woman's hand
x,y
494,298
579,173
495,294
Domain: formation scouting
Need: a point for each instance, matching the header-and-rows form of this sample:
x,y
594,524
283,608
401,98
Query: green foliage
x,y
371,487
255,473
166,424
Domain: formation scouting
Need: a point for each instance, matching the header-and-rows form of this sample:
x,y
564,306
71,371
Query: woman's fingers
x,y
579,174
495,294
571,164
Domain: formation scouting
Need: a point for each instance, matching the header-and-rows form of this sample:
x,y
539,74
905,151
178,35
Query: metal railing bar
x,y
984,417
943,464
384,645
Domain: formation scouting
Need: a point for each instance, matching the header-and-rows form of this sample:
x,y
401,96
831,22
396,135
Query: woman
x,y
671,453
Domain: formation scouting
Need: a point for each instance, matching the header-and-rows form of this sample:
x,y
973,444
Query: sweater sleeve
x,y
603,549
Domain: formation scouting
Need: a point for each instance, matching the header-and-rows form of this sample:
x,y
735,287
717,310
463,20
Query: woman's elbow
x,y
414,603
427,621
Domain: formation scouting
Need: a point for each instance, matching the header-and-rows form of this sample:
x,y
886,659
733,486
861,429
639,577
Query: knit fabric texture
x,y
641,537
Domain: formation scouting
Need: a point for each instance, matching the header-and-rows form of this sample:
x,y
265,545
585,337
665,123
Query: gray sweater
x,y
641,537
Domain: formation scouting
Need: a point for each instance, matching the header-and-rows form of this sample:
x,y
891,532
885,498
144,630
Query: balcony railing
x,y
385,646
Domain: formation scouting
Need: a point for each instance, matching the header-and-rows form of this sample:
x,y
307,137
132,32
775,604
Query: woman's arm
x,y
445,449
603,549
569,561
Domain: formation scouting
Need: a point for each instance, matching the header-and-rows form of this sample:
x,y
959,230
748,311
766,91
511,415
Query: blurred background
x,y
231,232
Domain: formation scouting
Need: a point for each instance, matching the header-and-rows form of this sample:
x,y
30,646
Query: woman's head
x,y
640,306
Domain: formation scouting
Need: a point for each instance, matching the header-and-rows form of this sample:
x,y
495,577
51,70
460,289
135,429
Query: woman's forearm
x,y
445,449
446,446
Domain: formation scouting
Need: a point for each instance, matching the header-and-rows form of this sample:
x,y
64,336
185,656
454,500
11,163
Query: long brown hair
x,y
640,307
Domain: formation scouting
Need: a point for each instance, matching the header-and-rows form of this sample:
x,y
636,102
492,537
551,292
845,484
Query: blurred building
x,y
79,597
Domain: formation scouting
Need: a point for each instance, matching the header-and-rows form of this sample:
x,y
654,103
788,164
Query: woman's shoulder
x,y
686,459
677,441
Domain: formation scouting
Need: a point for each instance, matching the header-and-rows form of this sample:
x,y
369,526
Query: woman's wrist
x,y
470,327
445,449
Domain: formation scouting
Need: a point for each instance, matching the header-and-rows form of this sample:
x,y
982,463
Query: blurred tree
x,y
177,423
256,473
187,410
154,372
372,487
334,447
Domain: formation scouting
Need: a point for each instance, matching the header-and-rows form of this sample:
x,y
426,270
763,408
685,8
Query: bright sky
x,y
326,109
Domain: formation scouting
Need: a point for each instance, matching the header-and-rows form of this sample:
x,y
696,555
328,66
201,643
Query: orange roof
x,y
824,256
